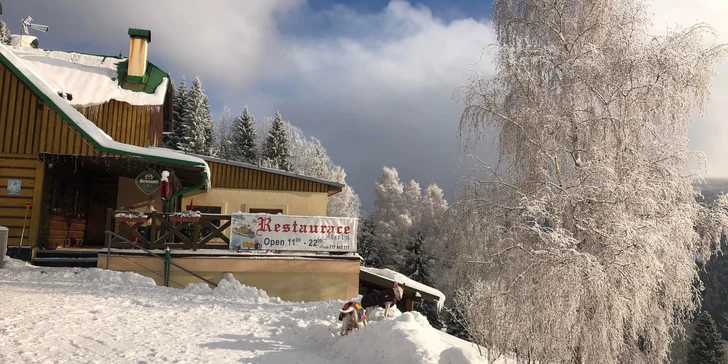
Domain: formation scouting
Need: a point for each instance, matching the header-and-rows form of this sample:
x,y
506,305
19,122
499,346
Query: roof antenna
x,y
28,23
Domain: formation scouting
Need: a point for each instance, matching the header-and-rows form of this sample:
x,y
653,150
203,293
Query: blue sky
x,y
373,80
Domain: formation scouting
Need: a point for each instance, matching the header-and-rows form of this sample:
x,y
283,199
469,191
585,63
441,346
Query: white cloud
x,y
708,132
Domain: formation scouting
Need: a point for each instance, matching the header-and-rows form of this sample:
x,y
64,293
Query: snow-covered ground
x,y
96,316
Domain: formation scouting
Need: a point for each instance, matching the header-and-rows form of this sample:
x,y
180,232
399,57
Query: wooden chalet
x,y
77,132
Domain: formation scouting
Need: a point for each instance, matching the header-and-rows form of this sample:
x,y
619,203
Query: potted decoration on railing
x,y
131,217
187,216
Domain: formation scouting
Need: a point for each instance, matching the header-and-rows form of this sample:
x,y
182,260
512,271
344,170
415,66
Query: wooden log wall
x,y
135,125
229,176
29,127
13,208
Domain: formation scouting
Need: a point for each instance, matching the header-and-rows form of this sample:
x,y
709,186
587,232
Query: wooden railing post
x,y
109,219
196,237
153,232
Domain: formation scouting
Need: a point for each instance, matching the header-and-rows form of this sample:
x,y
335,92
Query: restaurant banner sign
x,y
297,233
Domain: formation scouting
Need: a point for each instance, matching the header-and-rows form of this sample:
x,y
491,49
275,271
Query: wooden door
x,y
101,198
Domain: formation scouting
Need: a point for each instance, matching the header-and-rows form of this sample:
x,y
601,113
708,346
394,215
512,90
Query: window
x,y
266,211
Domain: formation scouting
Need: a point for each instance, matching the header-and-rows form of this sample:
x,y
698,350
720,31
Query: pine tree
x,y
195,118
209,126
276,149
417,265
179,100
456,322
4,33
367,244
706,345
244,136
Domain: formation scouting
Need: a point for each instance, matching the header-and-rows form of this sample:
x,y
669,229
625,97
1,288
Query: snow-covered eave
x,y
88,130
388,277
145,99
335,185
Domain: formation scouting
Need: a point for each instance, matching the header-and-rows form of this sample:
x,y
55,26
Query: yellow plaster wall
x,y
291,280
234,200
130,197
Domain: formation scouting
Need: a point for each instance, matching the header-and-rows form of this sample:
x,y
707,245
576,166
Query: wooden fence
x,y
159,230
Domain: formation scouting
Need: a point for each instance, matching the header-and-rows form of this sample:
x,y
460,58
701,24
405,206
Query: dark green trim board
x,y
140,33
70,121
174,196
153,77
136,79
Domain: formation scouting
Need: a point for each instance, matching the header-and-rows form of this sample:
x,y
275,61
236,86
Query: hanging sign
x,y
298,233
148,181
14,187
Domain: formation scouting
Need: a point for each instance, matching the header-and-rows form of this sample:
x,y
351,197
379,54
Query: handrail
x,y
125,240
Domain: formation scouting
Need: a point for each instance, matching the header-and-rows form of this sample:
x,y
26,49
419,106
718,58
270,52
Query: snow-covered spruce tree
x,y
417,265
244,138
455,324
276,151
179,100
209,126
590,234
224,134
367,243
706,345
4,33
195,119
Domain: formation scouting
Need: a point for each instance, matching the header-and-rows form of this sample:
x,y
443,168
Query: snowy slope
x,y
92,315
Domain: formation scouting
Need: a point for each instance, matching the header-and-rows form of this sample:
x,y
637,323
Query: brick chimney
x,y
139,40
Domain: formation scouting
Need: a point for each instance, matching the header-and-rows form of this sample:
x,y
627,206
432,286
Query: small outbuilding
x,y
376,279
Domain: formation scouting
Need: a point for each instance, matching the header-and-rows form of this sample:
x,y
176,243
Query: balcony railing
x,y
160,230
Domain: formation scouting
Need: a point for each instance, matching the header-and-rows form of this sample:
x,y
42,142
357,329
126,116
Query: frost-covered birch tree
x,y
588,230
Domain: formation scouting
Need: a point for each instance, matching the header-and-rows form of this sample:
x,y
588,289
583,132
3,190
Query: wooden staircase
x,y
82,258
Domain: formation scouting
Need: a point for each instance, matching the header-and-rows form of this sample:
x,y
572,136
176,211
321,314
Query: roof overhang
x,y
88,130
388,283
334,187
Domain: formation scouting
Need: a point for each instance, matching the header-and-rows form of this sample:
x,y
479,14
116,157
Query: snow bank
x,y
408,338
457,355
90,79
230,287
401,278
19,270
108,316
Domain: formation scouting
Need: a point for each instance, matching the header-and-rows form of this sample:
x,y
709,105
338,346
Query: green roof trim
x,y
152,78
69,120
140,33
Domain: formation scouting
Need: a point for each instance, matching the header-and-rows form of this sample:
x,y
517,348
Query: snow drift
x,y
94,315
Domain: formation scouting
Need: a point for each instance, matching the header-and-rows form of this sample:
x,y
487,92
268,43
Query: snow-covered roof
x,y
409,284
89,131
90,79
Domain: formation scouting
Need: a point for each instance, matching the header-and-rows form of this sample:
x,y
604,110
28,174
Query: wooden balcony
x,y
160,230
